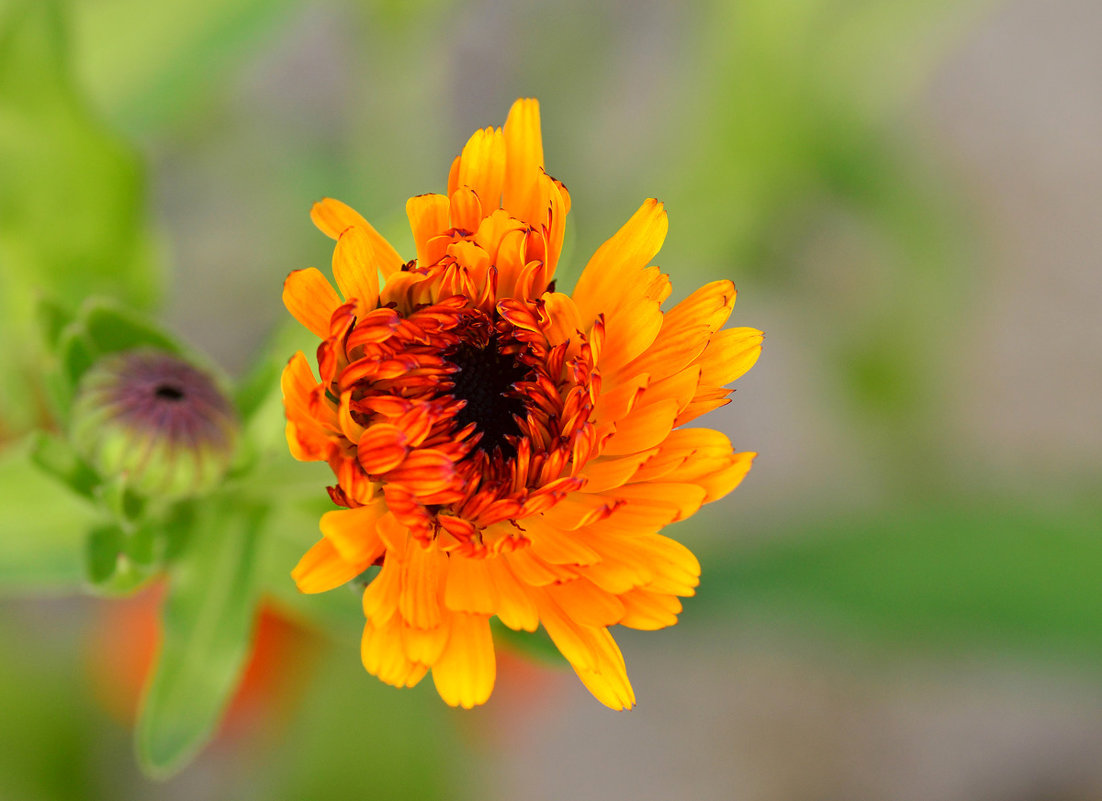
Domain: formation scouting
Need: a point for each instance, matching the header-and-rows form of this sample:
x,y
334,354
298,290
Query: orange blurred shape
x,y
124,643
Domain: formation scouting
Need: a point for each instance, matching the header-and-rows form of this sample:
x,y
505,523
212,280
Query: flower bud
x,y
156,421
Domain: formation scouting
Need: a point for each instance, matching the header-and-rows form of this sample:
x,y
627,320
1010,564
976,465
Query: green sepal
x,y
52,317
58,458
101,552
112,327
117,498
76,353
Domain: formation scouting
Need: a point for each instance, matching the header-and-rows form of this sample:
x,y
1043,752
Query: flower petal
x,y
482,168
322,569
332,217
592,653
353,534
384,657
311,299
524,157
617,262
428,218
355,267
465,672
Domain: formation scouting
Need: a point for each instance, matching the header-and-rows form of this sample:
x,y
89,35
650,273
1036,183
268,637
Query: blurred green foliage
x,y
72,202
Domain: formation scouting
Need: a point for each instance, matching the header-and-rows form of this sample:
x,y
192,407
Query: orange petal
x,y
422,576
592,653
556,546
465,672
562,321
466,210
332,217
584,602
322,569
516,609
311,299
649,611
730,353
470,587
355,269
381,448
424,472
428,218
644,428
353,534
617,262
608,473
380,598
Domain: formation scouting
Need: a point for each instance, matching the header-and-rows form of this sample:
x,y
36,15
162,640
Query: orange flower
x,y
502,448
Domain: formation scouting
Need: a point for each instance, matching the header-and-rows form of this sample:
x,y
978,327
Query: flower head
x,y
156,421
503,448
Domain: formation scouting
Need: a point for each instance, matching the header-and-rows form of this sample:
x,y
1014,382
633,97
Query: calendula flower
x,y
503,448
155,421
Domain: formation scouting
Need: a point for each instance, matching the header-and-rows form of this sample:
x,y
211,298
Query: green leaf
x,y
208,618
42,547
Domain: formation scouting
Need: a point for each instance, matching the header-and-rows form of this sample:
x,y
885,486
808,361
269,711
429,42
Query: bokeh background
x,y
901,601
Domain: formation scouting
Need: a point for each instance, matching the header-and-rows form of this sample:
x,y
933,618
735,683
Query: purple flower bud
x,y
155,420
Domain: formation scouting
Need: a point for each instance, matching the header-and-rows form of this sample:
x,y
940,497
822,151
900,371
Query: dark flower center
x,y
169,392
485,379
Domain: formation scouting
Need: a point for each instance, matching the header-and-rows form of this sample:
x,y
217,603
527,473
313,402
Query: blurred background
x,y
902,599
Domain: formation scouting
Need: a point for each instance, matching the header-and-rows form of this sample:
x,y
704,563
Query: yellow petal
x,y
425,645
310,299
383,655
332,217
322,569
482,167
465,672
355,268
523,157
